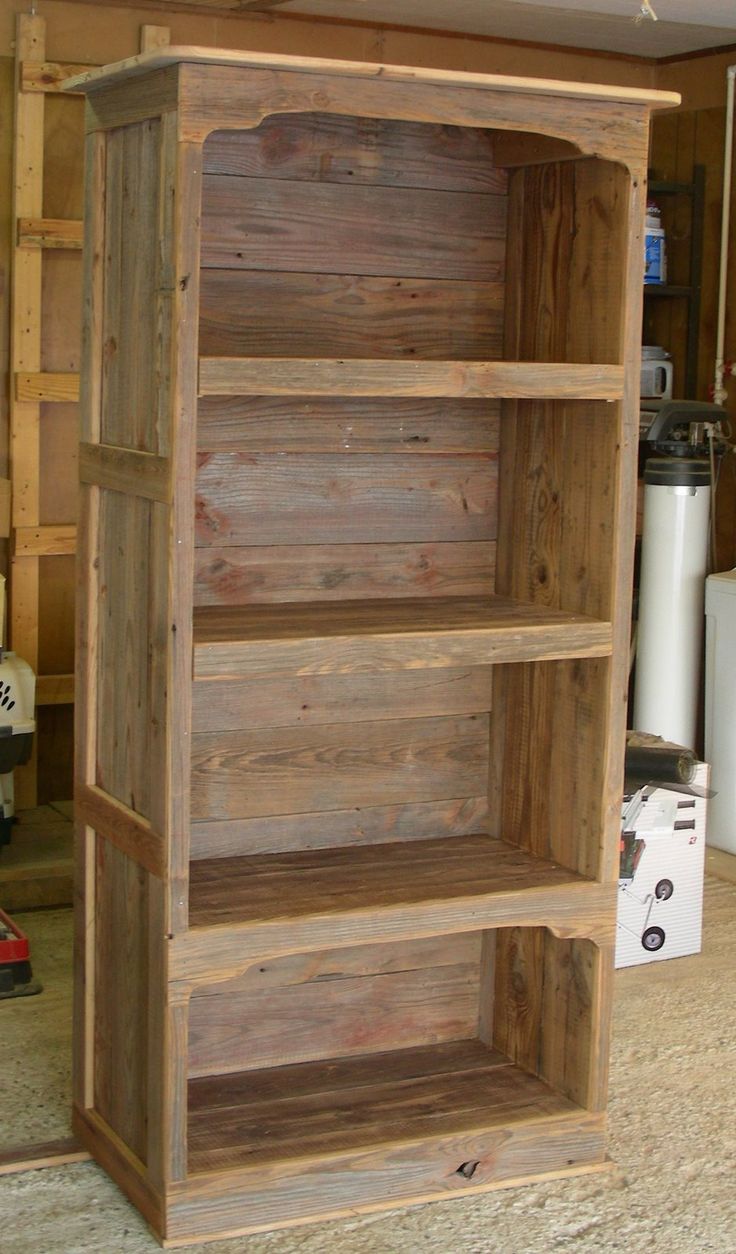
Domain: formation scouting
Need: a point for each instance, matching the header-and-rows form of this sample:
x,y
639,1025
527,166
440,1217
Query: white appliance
x,y
660,897
674,556
17,722
656,373
720,706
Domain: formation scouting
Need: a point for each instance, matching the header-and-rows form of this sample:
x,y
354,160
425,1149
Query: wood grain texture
x,y
237,774
130,329
45,541
296,970
254,424
310,700
48,76
264,313
237,575
281,833
333,1017
321,148
50,233
123,681
229,376
318,836
47,385
262,225
522,1154
377,635
94,80
569,909
119,824
121,983
550,997
125,470
338,881
427,1089
563,534
244,498
222,96
31,1157
25,358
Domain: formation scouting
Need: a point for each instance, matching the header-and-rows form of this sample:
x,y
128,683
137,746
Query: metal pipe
x,y
720,396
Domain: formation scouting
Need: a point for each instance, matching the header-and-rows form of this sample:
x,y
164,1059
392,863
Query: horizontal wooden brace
x,y
125,829
46,386
48,75
52,540
278,376
125,470
50,233
54,690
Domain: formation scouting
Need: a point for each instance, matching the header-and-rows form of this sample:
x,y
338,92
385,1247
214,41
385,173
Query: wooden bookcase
x,y
360,413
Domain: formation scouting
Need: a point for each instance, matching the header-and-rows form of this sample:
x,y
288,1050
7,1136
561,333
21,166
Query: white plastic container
x,y
656,373
720,707
674,559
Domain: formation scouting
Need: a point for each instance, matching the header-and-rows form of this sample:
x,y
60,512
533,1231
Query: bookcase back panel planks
x,y
359,392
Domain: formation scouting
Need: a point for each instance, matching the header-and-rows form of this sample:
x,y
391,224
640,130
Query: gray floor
x,y
672,1123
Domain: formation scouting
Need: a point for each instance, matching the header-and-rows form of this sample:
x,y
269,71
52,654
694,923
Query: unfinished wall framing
x,y
358,350
44,387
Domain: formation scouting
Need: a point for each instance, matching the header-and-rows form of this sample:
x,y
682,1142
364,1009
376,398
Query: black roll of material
x,y
662,764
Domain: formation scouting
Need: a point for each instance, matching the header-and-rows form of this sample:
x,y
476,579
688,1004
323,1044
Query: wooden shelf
x,y
318,638
668,289
281,376
339,1105
249,907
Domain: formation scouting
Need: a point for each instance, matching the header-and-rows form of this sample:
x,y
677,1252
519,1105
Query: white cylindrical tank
x,y
720,707
674,559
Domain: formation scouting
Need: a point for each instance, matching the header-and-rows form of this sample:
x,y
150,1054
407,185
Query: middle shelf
x,y
330,376
389,634
248,907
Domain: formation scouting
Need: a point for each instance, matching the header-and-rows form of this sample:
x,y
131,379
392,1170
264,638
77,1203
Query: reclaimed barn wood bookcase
x,y
360,401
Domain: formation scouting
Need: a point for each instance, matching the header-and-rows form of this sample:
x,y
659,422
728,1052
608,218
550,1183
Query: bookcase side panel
x,y
134,669
565,537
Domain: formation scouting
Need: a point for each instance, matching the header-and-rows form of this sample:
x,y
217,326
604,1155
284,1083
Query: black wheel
x,y
653,939
664,890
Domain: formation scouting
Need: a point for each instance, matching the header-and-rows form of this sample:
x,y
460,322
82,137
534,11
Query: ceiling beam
x,y
247,6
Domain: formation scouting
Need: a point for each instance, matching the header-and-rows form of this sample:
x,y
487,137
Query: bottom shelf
x,y
338,1106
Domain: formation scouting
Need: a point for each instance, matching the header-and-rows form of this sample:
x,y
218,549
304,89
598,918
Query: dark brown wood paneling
x,y
245,774
306,700
324,148
258,313
272,224
325,1009
262,499
335,424
234,575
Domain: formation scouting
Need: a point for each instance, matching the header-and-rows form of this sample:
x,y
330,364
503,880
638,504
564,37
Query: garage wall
x,y
97,33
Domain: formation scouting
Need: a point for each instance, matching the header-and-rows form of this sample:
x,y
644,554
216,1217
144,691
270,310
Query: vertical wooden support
x,y
25,356
30,385
154,37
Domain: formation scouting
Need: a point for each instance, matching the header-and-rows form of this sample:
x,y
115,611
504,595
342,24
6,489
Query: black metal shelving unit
x,y
690,291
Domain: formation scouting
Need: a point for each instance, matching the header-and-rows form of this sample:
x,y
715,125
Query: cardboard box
x,y
660,899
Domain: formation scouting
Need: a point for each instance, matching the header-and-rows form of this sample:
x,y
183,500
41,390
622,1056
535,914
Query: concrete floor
x,y
672,1120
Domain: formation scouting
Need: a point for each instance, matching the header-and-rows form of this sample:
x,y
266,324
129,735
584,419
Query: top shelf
x,y
282,376
394,634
